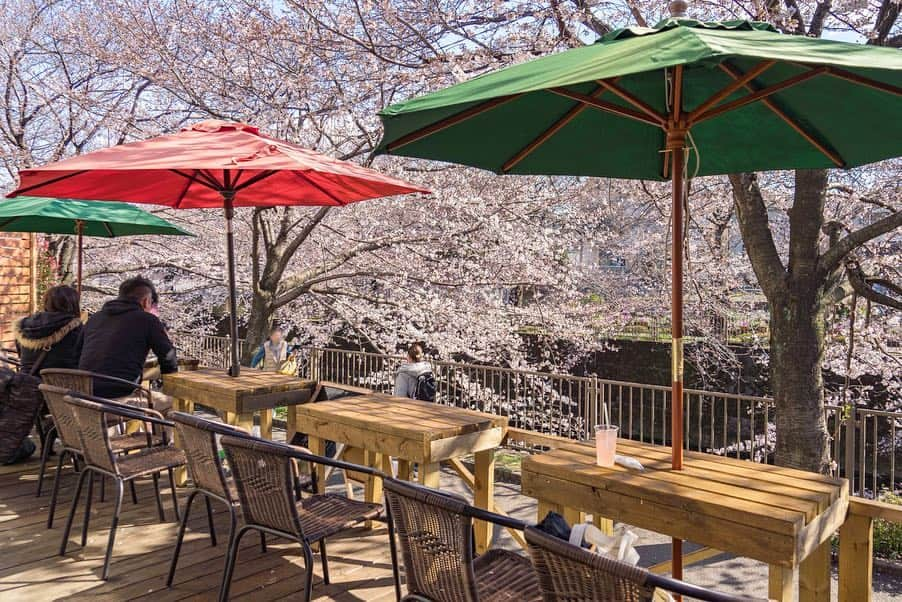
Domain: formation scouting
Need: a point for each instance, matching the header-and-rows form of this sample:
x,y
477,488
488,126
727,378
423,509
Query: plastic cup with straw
x,y
605,440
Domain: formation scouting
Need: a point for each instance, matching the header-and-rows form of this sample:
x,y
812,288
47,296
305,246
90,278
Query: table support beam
x,y
814,575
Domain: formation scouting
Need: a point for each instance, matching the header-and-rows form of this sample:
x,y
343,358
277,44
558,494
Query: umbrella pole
x,y
676,145
79,231
234,369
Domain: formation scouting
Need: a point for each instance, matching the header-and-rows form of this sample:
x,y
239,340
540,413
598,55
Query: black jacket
x,y
117,340
61,333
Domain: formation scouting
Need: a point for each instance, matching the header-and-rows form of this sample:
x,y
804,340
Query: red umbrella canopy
x,y
191,169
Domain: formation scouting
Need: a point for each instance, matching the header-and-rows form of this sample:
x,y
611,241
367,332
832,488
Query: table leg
x,y
318,448
181,405
779,583
484,496
403,470
814,575
543,508
245,420
605,525
373,490
856,559
429,474
291,422
266,424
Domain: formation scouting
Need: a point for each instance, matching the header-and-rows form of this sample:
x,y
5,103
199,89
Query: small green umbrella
x,y
682,98
81,218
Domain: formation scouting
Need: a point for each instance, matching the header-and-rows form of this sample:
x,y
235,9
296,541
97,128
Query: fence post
x,y
850,428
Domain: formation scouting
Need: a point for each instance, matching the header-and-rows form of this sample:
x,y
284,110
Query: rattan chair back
x,y
436,538
79,381
63,416
264,478
198,440
571,574
94,432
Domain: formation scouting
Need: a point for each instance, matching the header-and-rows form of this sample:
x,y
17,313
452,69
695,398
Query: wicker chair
x,y
198,439
65,428
264,476
568,573
100,457
435,530
80,381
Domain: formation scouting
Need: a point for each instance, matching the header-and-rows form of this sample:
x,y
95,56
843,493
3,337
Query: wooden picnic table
x,y
381,428
780,516
236,399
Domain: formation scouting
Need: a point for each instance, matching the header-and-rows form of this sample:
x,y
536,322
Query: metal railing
x,y
865,447
865,442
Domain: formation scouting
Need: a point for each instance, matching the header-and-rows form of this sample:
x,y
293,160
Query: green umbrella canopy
x,y
61,216
753,99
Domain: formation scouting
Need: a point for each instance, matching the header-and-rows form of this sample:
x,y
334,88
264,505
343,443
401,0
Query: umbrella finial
x,y
678,8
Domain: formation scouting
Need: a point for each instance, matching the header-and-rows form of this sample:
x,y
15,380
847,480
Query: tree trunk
x,y
258,324
796,356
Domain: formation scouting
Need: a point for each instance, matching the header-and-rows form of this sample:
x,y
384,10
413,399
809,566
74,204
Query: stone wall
x,y
15,281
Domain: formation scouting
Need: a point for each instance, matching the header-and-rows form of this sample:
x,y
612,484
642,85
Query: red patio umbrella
x,y
212,164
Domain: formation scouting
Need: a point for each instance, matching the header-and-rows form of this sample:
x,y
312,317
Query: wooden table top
x,y
404,428
711,494
401,416
209,382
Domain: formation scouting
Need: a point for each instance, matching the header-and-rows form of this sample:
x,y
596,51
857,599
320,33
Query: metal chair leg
x,y
324,560
210,524
156,488
102,488
72,509
183,522
231,558
392,546
262,542
54,494
109,546
46,446
308,569
175,495
84,526
131,485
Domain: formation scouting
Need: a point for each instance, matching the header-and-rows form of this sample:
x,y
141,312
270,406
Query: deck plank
x,y
31,569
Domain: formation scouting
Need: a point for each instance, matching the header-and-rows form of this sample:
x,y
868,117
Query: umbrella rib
x,y
605,106
310,181
779,112
106,226
260,176
636,102
447,122
189,180
542,138
22,191
864,81
760,94
728,90
194,178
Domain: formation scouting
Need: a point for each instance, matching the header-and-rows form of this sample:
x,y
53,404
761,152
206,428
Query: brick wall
x,y
15,281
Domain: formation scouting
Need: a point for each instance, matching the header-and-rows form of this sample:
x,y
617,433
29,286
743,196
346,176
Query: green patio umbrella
x,y
679,99
81,218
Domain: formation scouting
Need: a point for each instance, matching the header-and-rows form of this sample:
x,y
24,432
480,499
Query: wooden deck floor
x,y
31,569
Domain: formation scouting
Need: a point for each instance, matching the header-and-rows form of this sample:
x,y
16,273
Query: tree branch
x,y
832,258
759,241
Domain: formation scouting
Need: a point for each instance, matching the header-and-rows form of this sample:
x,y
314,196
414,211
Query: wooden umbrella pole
x,y
676,146
79,231
228,198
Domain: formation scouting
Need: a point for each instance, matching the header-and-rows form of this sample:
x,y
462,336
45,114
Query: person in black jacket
x,y
57,331
118,338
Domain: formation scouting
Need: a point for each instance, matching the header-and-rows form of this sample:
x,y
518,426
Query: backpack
x,y
425,387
